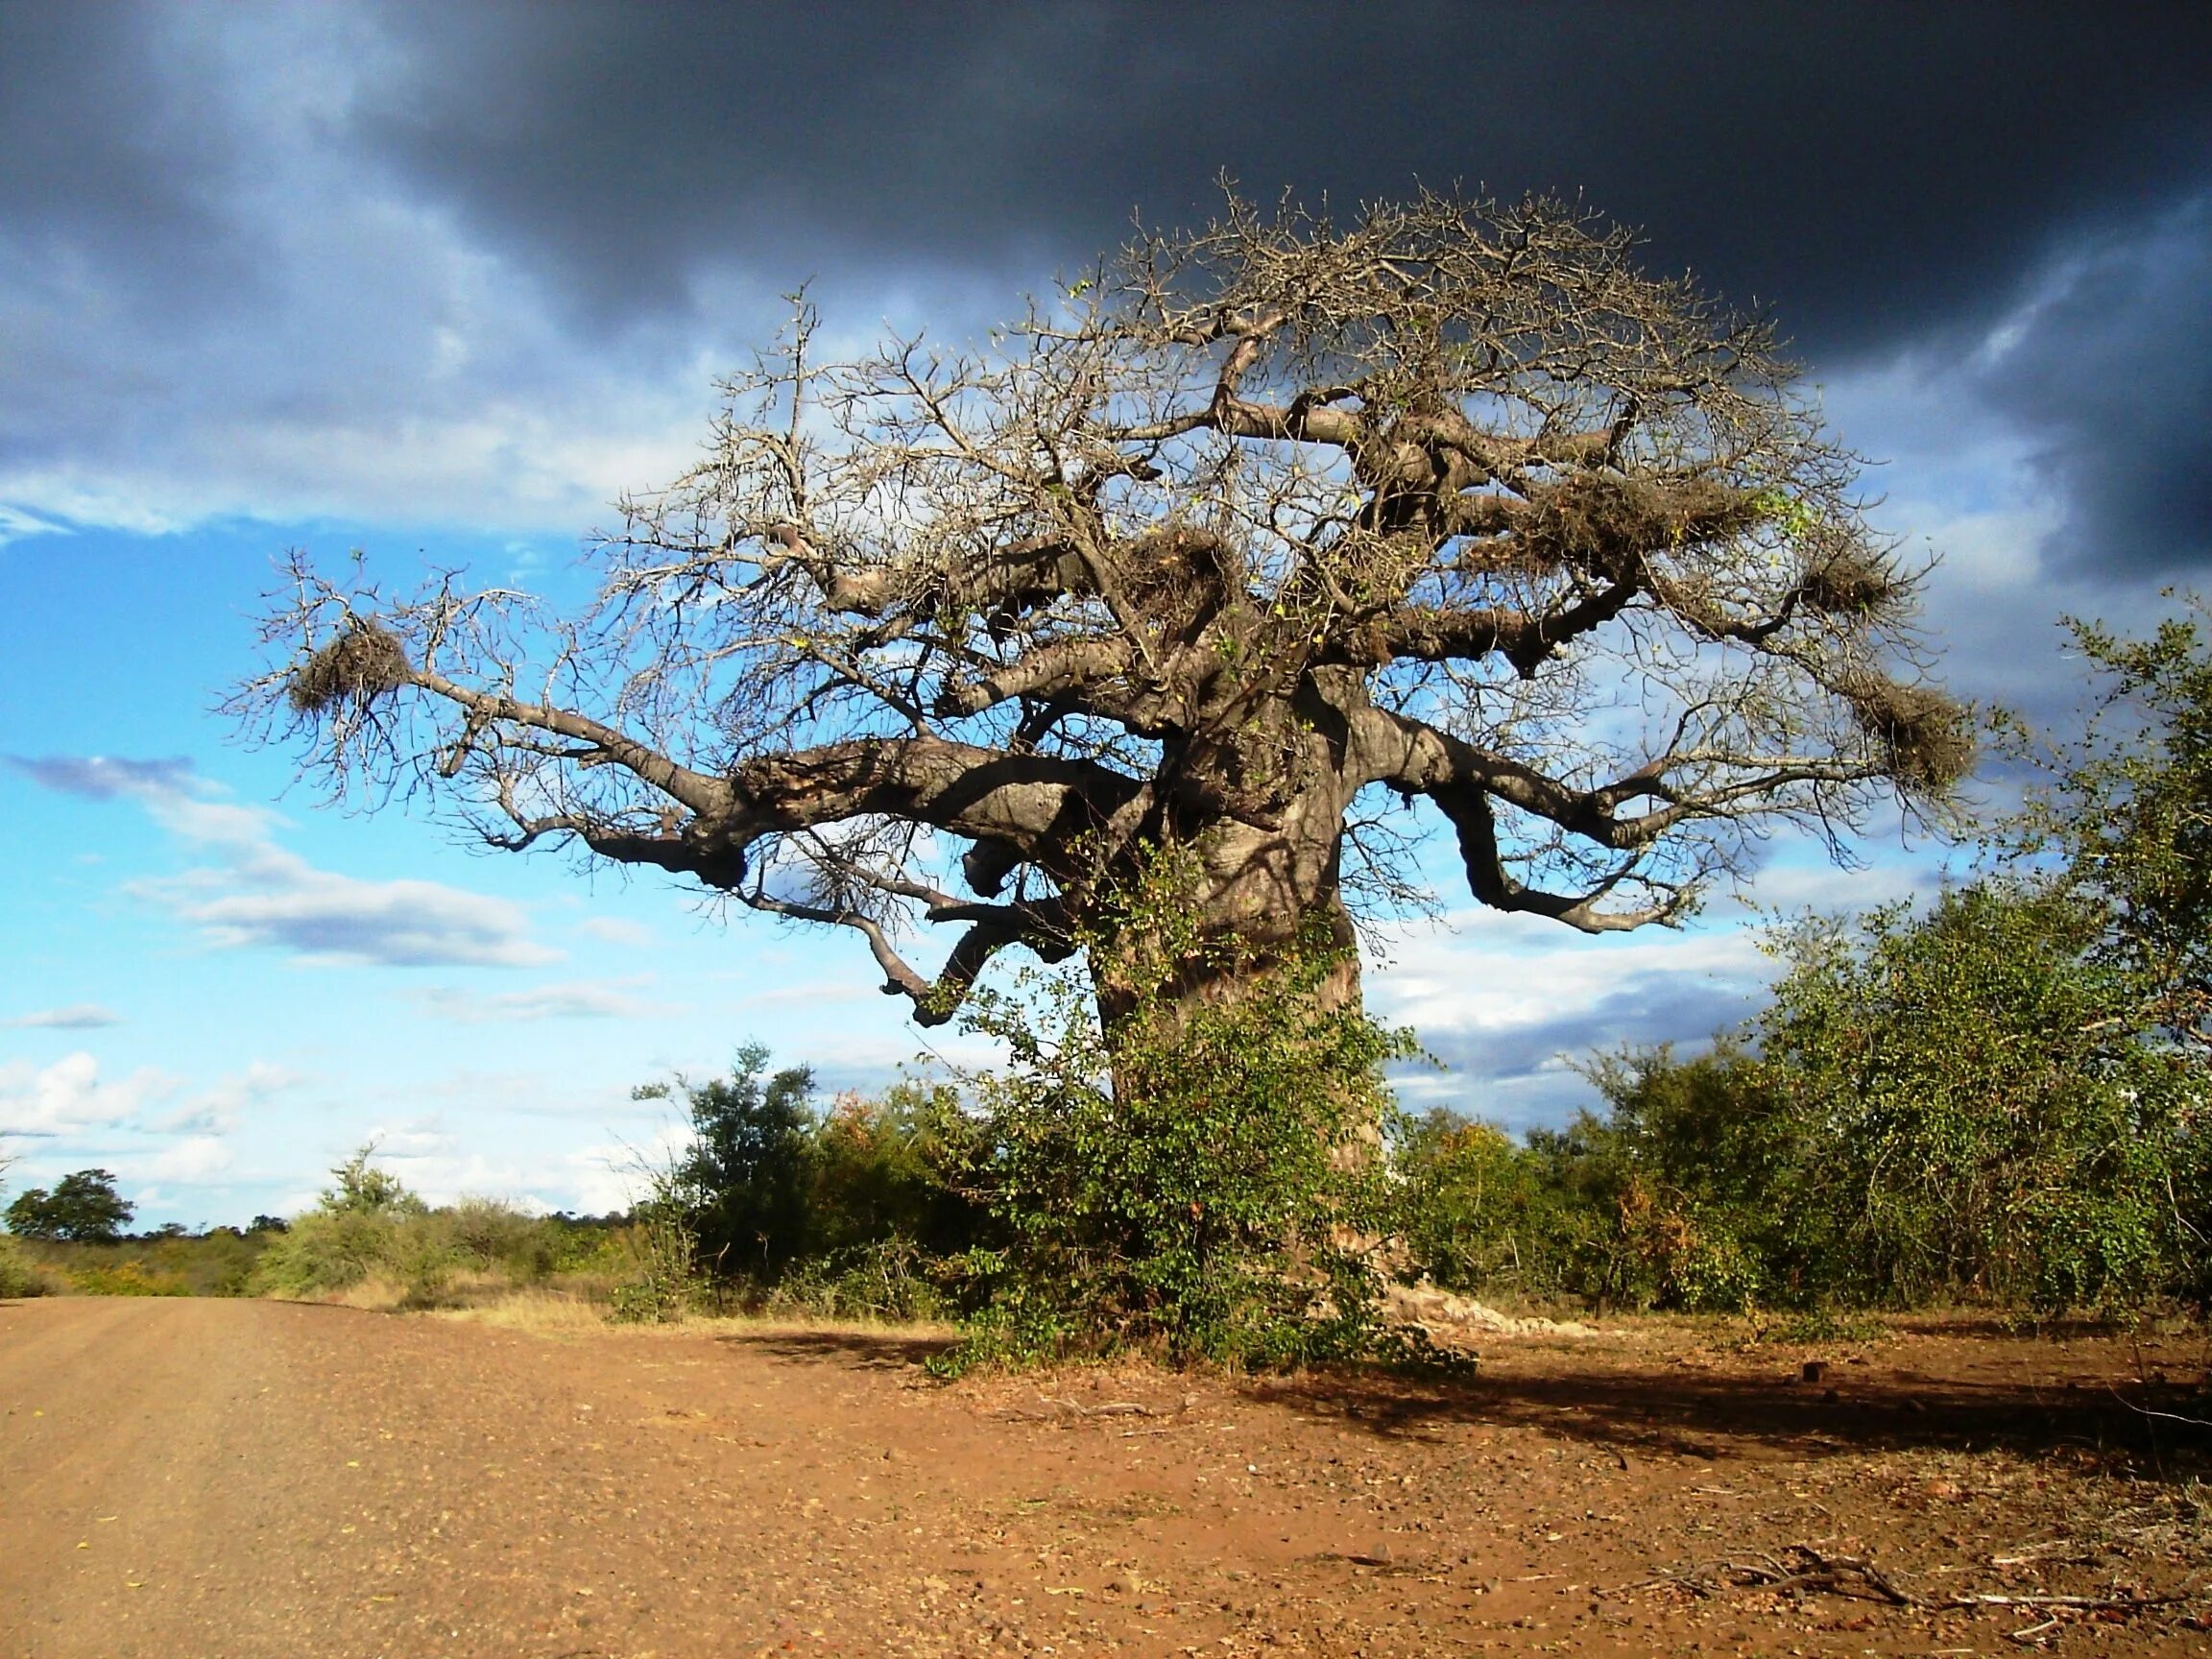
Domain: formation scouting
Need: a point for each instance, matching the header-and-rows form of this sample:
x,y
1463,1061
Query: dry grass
x,y
544,1312
559,1310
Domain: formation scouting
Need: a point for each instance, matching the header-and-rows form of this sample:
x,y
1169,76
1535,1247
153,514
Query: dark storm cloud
x,y
1862,164
2110,372
1884,175
120,157
1880,174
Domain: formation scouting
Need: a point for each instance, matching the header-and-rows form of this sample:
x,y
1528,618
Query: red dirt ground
x,y
183,1478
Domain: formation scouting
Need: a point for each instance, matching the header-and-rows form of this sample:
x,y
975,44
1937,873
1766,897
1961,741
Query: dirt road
x,y
183,1478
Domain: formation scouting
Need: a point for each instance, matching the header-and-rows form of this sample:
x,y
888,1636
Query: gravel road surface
x,y
231,1479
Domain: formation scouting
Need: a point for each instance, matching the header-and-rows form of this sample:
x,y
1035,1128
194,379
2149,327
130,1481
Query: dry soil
x,y
182,1478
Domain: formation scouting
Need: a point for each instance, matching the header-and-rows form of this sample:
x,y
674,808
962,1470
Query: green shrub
x,y
366,1225
19,1275
488,1236
1200,1177
128,1279
659,1280
890,1280
329,1250
1990,1120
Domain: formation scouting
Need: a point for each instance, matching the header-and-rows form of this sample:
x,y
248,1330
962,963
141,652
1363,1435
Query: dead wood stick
x,y
2086,1604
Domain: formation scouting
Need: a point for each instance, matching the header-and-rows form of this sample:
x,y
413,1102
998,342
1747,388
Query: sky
x,y
439,282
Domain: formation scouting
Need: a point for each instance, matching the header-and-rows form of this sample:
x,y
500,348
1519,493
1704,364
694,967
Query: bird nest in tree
x,y
359,664
1850,584
1925,734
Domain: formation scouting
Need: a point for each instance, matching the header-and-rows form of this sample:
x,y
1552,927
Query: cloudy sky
x,y
439,281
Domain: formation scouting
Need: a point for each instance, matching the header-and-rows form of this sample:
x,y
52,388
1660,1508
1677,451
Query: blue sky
x,y
439,283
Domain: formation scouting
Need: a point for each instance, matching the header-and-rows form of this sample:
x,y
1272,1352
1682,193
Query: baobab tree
x,y
1273,543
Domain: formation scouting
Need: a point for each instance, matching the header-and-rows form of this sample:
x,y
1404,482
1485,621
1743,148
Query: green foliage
x,y
1662,1200
891,1279
891,1171
358,1188
488,1237
661,1281
217,1261
855,1211
19,1274
128,1279
1947,1104
1991,1123
1192,1175
368,1226
83,1208
1199,1176
2127,809
743,1181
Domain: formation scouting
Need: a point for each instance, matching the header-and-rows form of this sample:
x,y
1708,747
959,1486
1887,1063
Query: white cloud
x,y
615,1174
617,930
339,919
16,524
76,1017
192,1158
577,999
70,1095
219,1110
258,894
1485,971
817,991
1508,1002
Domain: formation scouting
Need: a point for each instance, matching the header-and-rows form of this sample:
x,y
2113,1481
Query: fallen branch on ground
x,y
1805,1569
1062,1408
1800,1568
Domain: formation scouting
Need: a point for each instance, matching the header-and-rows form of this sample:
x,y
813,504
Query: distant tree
x,y
83,1208
268,1224
1245,545
358,1188
745,1179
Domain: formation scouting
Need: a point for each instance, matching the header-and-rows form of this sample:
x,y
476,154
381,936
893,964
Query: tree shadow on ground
x,y
864,1350
1668,1412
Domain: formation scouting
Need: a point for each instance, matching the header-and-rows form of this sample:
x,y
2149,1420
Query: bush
x,y
659,1281
1948,1104
1200,1177
488,1236
1990,1122
128,1279
19,1275
368,1226
889,1281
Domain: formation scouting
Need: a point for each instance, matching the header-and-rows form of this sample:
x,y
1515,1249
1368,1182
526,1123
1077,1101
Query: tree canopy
x,y
83,1207
1245,544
